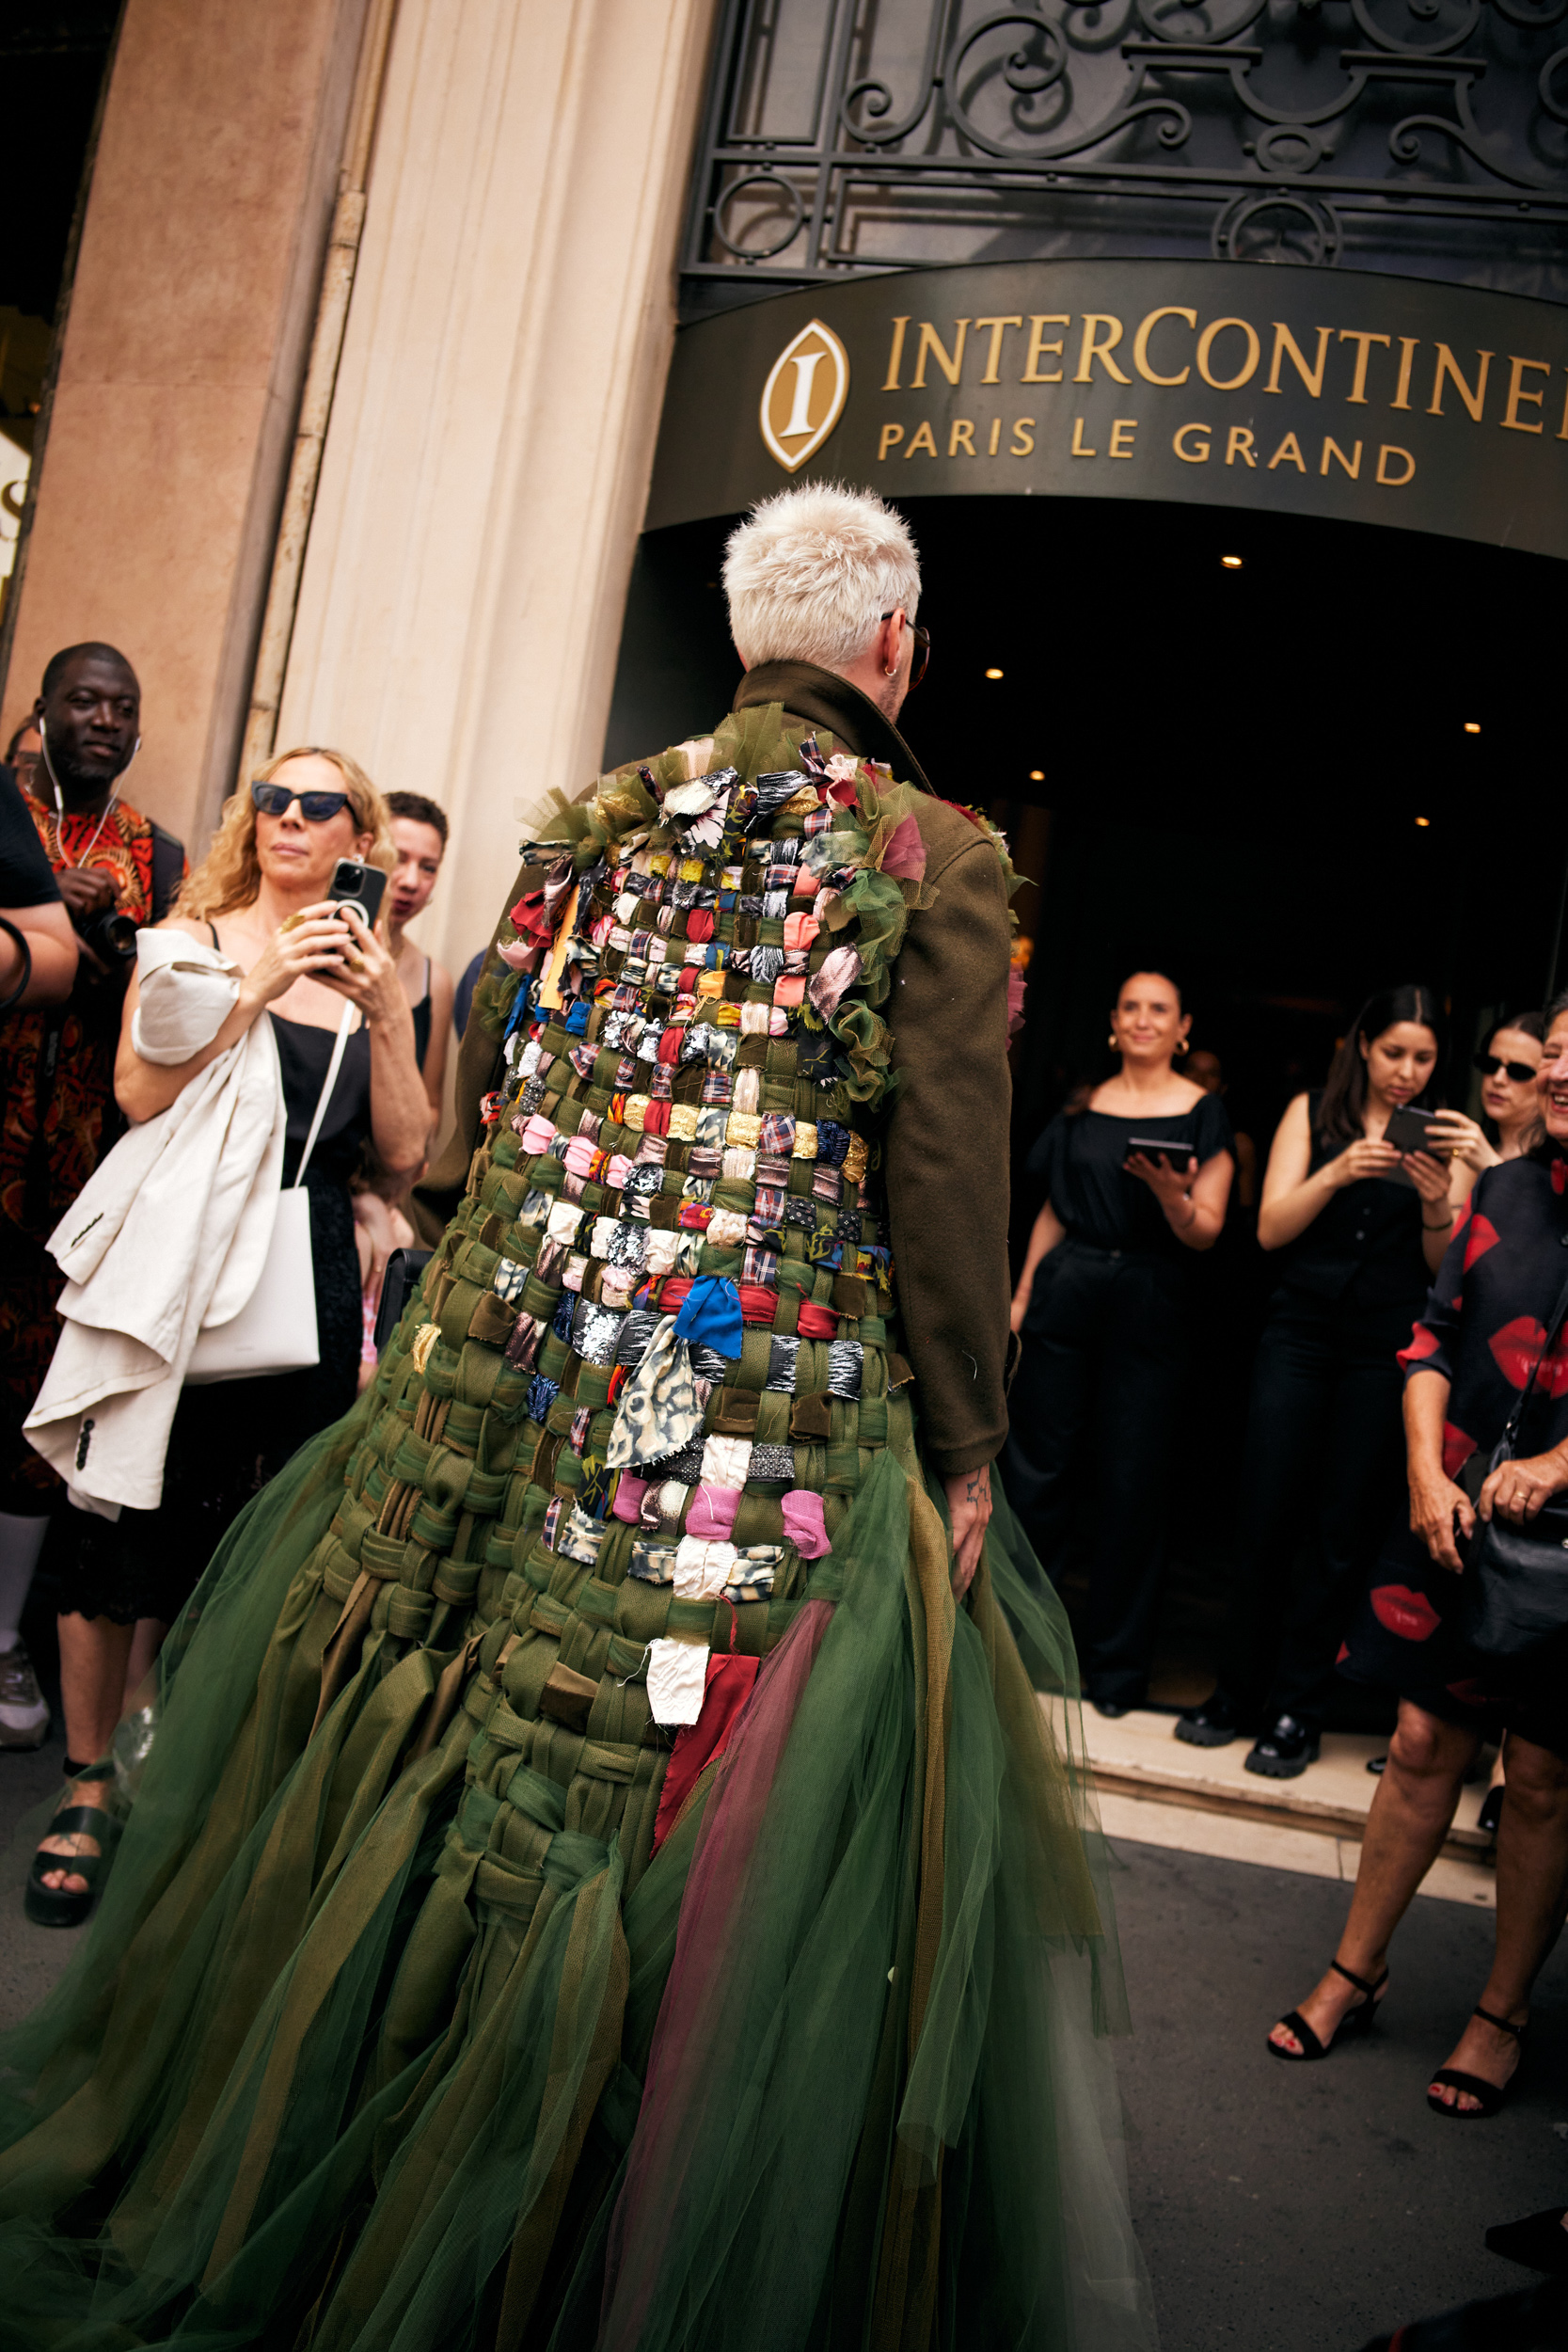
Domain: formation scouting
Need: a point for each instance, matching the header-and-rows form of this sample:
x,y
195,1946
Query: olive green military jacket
x,y
946,1152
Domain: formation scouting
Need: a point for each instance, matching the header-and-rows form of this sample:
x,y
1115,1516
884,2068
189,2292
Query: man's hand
x,y
969,1508
87,890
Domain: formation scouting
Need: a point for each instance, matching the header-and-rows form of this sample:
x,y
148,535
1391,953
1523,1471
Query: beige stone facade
x,y
492,425
191,312
487,460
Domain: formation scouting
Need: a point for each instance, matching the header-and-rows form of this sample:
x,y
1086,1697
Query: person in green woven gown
x,y
613,1863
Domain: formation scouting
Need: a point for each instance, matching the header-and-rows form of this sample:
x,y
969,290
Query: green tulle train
x,y
381,2041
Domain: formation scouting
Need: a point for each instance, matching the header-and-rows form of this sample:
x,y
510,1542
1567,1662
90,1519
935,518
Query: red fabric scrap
x,y
729,1686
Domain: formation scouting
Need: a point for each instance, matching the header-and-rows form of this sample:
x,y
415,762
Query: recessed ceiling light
x,y
993,674
1423,821
1232,563
1036,775
1472,726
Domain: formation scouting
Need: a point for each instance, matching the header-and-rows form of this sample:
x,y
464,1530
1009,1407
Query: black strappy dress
x,y
424,1014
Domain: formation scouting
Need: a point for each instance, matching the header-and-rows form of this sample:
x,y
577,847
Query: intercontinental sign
x,y
1394,399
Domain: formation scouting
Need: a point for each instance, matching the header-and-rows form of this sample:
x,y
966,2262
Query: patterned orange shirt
x,y
78,1037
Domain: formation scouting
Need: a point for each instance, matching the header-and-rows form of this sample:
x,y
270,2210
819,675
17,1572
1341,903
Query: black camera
x,y
110,934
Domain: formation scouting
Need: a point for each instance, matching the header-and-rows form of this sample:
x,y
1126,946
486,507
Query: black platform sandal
x,y
58,1906
1492,2097
1539,2242
1355,2021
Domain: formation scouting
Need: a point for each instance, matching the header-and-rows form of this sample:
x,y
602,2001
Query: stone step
x,y
1155,1790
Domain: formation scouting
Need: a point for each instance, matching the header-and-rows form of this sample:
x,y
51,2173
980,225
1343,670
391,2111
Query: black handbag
x,y
1515,1591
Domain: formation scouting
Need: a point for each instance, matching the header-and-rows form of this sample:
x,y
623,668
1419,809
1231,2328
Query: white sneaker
x,y
24,1709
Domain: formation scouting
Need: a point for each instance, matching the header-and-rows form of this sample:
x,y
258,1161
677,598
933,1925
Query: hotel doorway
x,y
1290,760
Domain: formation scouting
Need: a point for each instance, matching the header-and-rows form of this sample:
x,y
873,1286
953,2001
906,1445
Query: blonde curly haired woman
x,y
259,898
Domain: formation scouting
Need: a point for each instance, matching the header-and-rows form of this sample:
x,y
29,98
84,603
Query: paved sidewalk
x,y
1280,2209
1302,2209
1160,1791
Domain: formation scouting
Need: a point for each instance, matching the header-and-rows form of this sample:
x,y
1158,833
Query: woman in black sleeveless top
x,y
260,896
1360,1231
1104,1306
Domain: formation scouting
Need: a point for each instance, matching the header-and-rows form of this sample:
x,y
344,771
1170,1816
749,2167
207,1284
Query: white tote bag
x,y
275,1329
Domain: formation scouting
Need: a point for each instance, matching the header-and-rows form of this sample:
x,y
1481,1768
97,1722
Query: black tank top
x,y
304,1053
421,1021
1365,1247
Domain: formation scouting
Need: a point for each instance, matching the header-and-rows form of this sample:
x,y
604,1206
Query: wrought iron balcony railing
x,y
848,135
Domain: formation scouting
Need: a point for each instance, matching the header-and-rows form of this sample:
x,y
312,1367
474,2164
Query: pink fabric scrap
x,y
630,1491
905,857
538,1135
803,1523
712,1511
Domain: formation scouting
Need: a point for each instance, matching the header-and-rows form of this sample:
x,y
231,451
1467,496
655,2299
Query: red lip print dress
x,y
1482,1329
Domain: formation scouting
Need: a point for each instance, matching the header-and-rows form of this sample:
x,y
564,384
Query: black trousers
x,y
1094,1410
1324,1451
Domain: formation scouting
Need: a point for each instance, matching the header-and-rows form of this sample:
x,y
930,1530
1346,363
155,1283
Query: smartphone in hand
x,y
361,886
1157,1147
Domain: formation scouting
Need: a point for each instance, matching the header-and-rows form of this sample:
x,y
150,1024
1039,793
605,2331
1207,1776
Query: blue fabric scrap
x,y
711,1313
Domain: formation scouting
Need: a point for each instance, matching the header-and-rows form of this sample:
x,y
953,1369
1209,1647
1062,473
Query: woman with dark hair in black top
x,y
1488,1343
1103,1305
1360,1228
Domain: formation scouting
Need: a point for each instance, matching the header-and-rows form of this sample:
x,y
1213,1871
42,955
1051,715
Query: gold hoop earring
x,y
1184,1045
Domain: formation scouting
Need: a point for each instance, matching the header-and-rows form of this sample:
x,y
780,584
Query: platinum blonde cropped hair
x,y
810,573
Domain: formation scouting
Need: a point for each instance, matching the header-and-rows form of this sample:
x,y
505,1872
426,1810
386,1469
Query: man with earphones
x,y
116,870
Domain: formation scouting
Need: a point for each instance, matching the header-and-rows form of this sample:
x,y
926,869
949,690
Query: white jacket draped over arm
x,y
168,1234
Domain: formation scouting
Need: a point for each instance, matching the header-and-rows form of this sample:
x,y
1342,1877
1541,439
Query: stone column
x,y
190,318
487,459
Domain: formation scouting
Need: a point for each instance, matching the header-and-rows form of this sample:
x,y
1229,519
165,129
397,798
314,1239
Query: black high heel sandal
x,y
1492,2097
1358,2019
58,1906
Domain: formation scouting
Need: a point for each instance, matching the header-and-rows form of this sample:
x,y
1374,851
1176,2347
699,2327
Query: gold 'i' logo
x,y
804,395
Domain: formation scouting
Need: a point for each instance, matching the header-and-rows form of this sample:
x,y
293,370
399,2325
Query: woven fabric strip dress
x,y
589,1885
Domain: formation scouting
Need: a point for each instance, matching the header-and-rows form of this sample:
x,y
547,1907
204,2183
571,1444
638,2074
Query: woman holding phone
x,y
1360,1226
1137,1178
1489,1344
261,897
